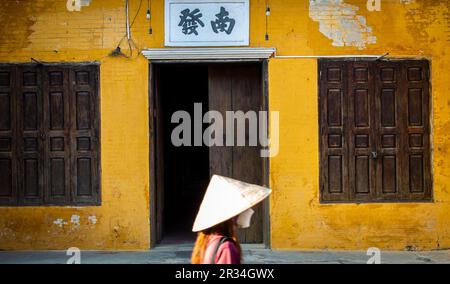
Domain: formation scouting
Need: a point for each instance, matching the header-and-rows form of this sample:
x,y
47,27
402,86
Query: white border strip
x,y
208,53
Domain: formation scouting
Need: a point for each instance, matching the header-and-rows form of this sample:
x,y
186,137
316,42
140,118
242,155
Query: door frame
x,y
153,146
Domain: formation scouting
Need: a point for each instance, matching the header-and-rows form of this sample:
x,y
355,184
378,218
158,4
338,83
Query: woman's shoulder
x,y
228,244
228,253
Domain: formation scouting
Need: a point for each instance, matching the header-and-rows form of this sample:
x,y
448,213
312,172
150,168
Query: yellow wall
x,y
45,30
298,220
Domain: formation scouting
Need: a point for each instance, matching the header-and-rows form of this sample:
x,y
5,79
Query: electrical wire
x,y
128,36
137,13
149,11
267,12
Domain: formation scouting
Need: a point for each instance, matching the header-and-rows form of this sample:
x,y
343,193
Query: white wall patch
x,y
92,219
373,5
339,22
75,5
59,222
75,219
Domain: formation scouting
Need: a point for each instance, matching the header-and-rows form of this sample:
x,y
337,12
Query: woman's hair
x,y
225,229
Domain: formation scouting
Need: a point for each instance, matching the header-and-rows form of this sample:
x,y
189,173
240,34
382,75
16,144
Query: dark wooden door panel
x,y
31,136
160,185
333,138
57,129
389,104
220,100
360,137
84,133
234,88
8,164
418,181
247,164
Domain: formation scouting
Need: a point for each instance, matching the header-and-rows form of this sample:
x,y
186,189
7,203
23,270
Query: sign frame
x,y
172,38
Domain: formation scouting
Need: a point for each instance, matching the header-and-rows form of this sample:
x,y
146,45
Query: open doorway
x,y
179,176
186,169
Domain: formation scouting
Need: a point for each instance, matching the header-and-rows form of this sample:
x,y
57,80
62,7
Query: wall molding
x,y
208,53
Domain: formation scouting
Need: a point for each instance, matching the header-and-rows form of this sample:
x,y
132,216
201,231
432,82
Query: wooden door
x,y
8,153
159,164
238,87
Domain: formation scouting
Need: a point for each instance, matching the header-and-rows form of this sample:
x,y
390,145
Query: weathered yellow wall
x,y
45,30
298,220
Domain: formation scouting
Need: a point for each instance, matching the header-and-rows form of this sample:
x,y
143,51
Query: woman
x,y
222,237
226,206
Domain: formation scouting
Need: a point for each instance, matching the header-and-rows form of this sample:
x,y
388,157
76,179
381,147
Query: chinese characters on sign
x,y
190,21
206,23
223,23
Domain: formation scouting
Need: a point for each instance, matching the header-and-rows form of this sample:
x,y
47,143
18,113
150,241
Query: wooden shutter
x,y
359,133
232,88
49,134
8,154
30,135
333,126
388,128
416,134
374,131
84,132
57,131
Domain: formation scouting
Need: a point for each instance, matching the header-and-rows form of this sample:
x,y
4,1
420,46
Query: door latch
x,y
374,155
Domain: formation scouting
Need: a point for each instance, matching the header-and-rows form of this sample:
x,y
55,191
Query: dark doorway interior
x,y
180,175
186,169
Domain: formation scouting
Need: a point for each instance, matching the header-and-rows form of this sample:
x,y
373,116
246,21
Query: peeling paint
x,y
75,219
60,222
339,22
75,5
92,219
373,5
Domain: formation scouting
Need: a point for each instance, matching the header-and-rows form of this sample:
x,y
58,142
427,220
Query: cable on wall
x,y
267,19
131,44
149,16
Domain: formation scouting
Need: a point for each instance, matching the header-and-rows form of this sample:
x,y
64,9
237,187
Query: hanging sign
x,y
206,22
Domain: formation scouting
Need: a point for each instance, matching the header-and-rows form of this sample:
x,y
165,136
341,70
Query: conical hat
x,y
226,198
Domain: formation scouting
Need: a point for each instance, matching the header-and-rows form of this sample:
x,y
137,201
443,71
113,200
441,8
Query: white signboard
x,y
206,22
